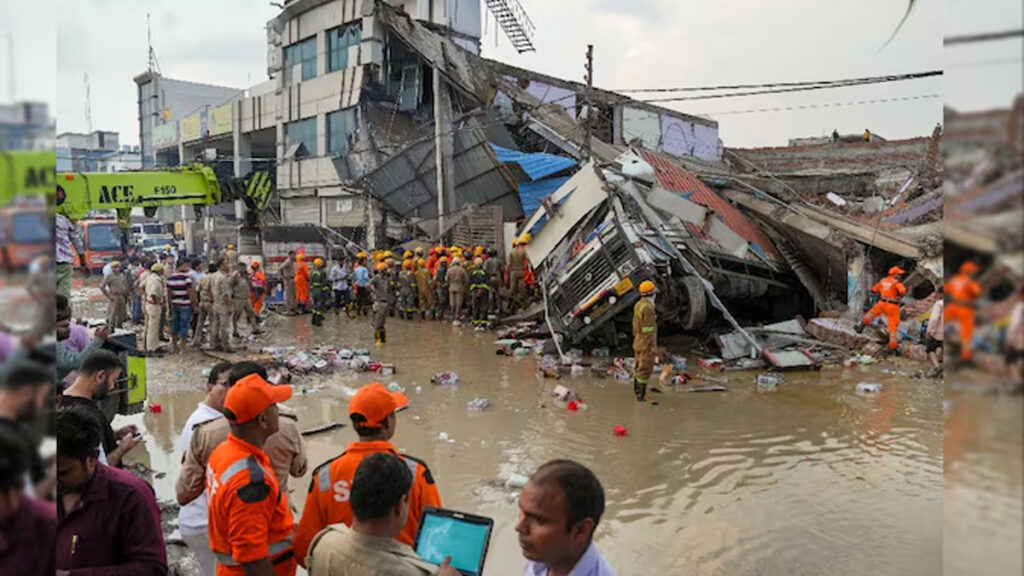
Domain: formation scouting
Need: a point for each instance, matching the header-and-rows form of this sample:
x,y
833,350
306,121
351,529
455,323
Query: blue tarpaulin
x,y
536,166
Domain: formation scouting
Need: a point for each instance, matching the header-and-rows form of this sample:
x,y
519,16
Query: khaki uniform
x,y
516,275
240,304
458,280
645,344
285,448
380,287
205,308
288,279
341,551
155,298
231,256
493,268
115,285
425,291
220,325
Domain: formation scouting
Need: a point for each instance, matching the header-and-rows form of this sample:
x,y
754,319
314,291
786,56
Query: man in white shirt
x,y
192,517
339,283
559,510
933,337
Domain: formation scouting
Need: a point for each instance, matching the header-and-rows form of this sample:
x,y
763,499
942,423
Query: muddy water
x,y
809,479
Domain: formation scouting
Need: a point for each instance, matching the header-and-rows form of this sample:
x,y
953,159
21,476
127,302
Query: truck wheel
x,y
694,303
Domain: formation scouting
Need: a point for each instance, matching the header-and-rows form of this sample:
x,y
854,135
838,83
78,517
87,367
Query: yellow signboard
x,y
220,120
190,128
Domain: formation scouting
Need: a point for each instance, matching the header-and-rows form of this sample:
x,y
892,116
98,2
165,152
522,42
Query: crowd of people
x,y
461,284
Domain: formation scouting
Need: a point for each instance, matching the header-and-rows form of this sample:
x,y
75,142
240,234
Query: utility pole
x,y
444,149
587,107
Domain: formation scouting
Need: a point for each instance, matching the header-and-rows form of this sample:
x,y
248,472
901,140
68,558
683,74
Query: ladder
x,y
515,22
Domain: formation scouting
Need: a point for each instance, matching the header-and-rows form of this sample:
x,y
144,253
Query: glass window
x,y
338,42
31,228
341,130
104,237
302,53
303,131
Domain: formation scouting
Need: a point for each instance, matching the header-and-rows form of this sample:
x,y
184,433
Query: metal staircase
x,y
515,22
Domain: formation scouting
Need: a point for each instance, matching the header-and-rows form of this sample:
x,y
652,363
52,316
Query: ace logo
x,y
119,193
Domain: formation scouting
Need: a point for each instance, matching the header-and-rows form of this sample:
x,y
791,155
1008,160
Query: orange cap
x,y
969,268
896,270
250,396
375,403
255,265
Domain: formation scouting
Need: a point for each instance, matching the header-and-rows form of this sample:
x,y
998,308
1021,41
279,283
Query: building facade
x,y
26,126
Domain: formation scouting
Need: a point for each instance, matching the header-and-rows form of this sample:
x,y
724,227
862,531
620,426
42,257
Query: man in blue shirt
x,y
361,278
560,508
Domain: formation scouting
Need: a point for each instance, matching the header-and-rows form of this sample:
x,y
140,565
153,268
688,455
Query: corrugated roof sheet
x,y
680,180
531,193
538,165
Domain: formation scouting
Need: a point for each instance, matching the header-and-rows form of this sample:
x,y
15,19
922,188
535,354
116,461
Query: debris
x,y
516,481
576,370
373,367
678,362
602,352
572,406
387,369
715,379
156,408
565,395
711,363
868,387
712,388
835,199
521,352
445,379
619,431
768,381
478,404
443,437
321,429
419,389
396,387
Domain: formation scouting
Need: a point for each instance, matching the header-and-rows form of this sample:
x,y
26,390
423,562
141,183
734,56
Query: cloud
x,y
650,11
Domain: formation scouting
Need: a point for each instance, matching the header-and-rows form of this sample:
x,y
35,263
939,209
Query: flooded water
x,y
811,478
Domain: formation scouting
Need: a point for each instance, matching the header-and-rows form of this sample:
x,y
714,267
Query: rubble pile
x,y
325,360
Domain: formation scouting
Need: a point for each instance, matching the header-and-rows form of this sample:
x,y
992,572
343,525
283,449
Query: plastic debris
x,y
445,379
443,437
521,352
387,369
516,481
565,395
361,352
373,367
865,360
478,404
868,387
572,406
576,370
357,365
715,379
602,352
678,362
768,381
419,389
711,363
619,431
711,388
345,354
396,387
156,408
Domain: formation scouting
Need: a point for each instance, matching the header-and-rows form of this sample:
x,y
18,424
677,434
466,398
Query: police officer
x,y
516,273
241,304
493,267
321,291
205,306
425,290
480,289
287,272
441,282
251,526
220,326
645,339
115,287
458,279
407,290
380,287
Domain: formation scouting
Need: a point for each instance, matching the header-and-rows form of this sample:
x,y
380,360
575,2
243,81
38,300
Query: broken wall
x,y
669,134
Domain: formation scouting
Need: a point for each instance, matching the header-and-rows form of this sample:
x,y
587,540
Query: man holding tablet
x,y
372,411
380,506
559,510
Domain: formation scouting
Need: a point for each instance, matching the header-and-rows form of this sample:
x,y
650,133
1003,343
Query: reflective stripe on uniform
x,y
274,549
324,480
647,329
235,467
413,467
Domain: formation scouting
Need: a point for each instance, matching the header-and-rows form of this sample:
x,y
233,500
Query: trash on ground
x,y
715,379
156,408
322,429
419,389
602,352
868,387
396,387
516,481
478,404
768,381
711,388
576,370
565,395
443,437
387,369
619,431
711,363
445,379
573,406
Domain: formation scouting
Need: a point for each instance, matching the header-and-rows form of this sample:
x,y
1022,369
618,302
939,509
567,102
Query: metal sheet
x,y
676,205
577,197
536,166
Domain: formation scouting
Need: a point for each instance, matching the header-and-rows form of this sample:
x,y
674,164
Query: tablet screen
x,y
441,536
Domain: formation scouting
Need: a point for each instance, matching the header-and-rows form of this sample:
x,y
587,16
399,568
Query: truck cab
x,y
101,242
28,233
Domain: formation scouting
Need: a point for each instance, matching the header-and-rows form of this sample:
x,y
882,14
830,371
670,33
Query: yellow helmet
x,y
388,254
647,288
478,261
167,246
515,242
318,262
406,255
361,255
421,262
525,238
419,250
478,250
231,246
381,266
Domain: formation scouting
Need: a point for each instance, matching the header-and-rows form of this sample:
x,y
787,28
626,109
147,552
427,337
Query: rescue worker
x,y
155,297
645,340
407,290
321,294
231,255
250,523
287,271
418,254
458,280
116,288
425,290
441,284
493,268
373,413
516,270
361,284
220,327
240,305
258,288
963,292
480,289
890,291
435,255
302,282
392,278
380,288
205,308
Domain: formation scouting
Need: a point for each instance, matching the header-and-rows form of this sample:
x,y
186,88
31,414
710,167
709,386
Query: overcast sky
x,y
637,44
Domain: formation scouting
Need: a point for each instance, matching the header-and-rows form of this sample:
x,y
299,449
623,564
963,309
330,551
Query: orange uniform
x,y
891,292
327,501
249,515
302,283
432,264
259,279
963,293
